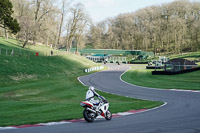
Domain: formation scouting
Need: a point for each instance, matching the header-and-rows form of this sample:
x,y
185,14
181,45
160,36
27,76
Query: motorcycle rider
x,y
95,108
90,94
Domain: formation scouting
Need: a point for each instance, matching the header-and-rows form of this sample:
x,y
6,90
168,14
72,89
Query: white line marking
x,y
81,81
155,88
124,113
5,128
184,90
53,123
156,107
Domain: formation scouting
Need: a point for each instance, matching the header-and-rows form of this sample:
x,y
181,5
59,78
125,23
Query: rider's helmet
x,y
91,88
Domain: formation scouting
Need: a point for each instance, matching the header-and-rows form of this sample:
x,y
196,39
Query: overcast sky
x,y
102,9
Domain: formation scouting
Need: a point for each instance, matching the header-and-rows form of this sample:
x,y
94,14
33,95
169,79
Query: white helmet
x,y
91,88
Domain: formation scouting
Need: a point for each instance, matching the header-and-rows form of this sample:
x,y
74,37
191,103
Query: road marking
x,y
5,128
155,88
81,81
54,123
184,90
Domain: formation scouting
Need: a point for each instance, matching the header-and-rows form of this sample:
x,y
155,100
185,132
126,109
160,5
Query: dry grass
x,y
21,77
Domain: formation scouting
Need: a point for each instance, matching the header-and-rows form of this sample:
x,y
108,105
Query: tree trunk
x,y
47,41
6,34
61,23
25,43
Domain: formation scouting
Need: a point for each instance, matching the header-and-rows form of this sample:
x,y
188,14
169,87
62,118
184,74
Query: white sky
x,y
102,9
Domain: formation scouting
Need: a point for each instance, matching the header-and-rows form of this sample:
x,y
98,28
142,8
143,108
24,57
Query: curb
x,y
72,121
131,112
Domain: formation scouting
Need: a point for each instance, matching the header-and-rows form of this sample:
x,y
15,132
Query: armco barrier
x,y
94,69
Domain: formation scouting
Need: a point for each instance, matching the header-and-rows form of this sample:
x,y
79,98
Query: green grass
x,y
189,56
30,50
120,103
45,88
143,77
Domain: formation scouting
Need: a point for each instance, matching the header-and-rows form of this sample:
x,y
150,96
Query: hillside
x,y
28,66
42,88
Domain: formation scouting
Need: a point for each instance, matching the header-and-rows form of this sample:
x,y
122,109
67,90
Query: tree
x,y
6,20
169,28
41,9
37,19
64,10
76,25
23,14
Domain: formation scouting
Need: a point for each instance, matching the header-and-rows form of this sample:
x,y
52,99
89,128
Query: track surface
x,y
180,115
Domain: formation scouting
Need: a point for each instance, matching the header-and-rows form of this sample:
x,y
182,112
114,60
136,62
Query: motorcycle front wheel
x,y
108,115
88,116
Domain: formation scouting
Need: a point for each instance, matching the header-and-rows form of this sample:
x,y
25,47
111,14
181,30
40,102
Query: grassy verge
x,y
45,88
143,77
54,99
120,103
189,55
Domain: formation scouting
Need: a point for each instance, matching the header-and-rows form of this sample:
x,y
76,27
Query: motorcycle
x,y
92,111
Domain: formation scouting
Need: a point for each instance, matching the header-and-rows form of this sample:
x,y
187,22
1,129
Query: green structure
x,y
112,52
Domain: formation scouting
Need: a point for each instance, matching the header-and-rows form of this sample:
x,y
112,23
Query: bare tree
x,y
42,9
64,9
38,20
171,27
23,12
76,25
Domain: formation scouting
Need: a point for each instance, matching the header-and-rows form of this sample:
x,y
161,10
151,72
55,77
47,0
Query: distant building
x,y
98,57
157,64
179,64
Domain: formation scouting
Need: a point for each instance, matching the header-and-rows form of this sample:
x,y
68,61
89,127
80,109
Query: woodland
x,y
168,28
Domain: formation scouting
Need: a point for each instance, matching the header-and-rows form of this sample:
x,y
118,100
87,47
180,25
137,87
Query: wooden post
x,y
12,53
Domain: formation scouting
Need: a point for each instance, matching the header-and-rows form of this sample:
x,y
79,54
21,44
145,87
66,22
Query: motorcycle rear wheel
x,y
108,115
87,116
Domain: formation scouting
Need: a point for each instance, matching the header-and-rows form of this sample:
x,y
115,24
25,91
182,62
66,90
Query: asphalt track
x,y
180,115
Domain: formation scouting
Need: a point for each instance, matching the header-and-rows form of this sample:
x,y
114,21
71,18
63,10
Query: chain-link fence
x,y
14,52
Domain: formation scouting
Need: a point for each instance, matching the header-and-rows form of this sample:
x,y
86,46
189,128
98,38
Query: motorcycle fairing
x,y
104,109
86,103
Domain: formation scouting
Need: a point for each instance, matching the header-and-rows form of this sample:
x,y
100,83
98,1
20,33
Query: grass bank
x,y
143,77
45,88
189,55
